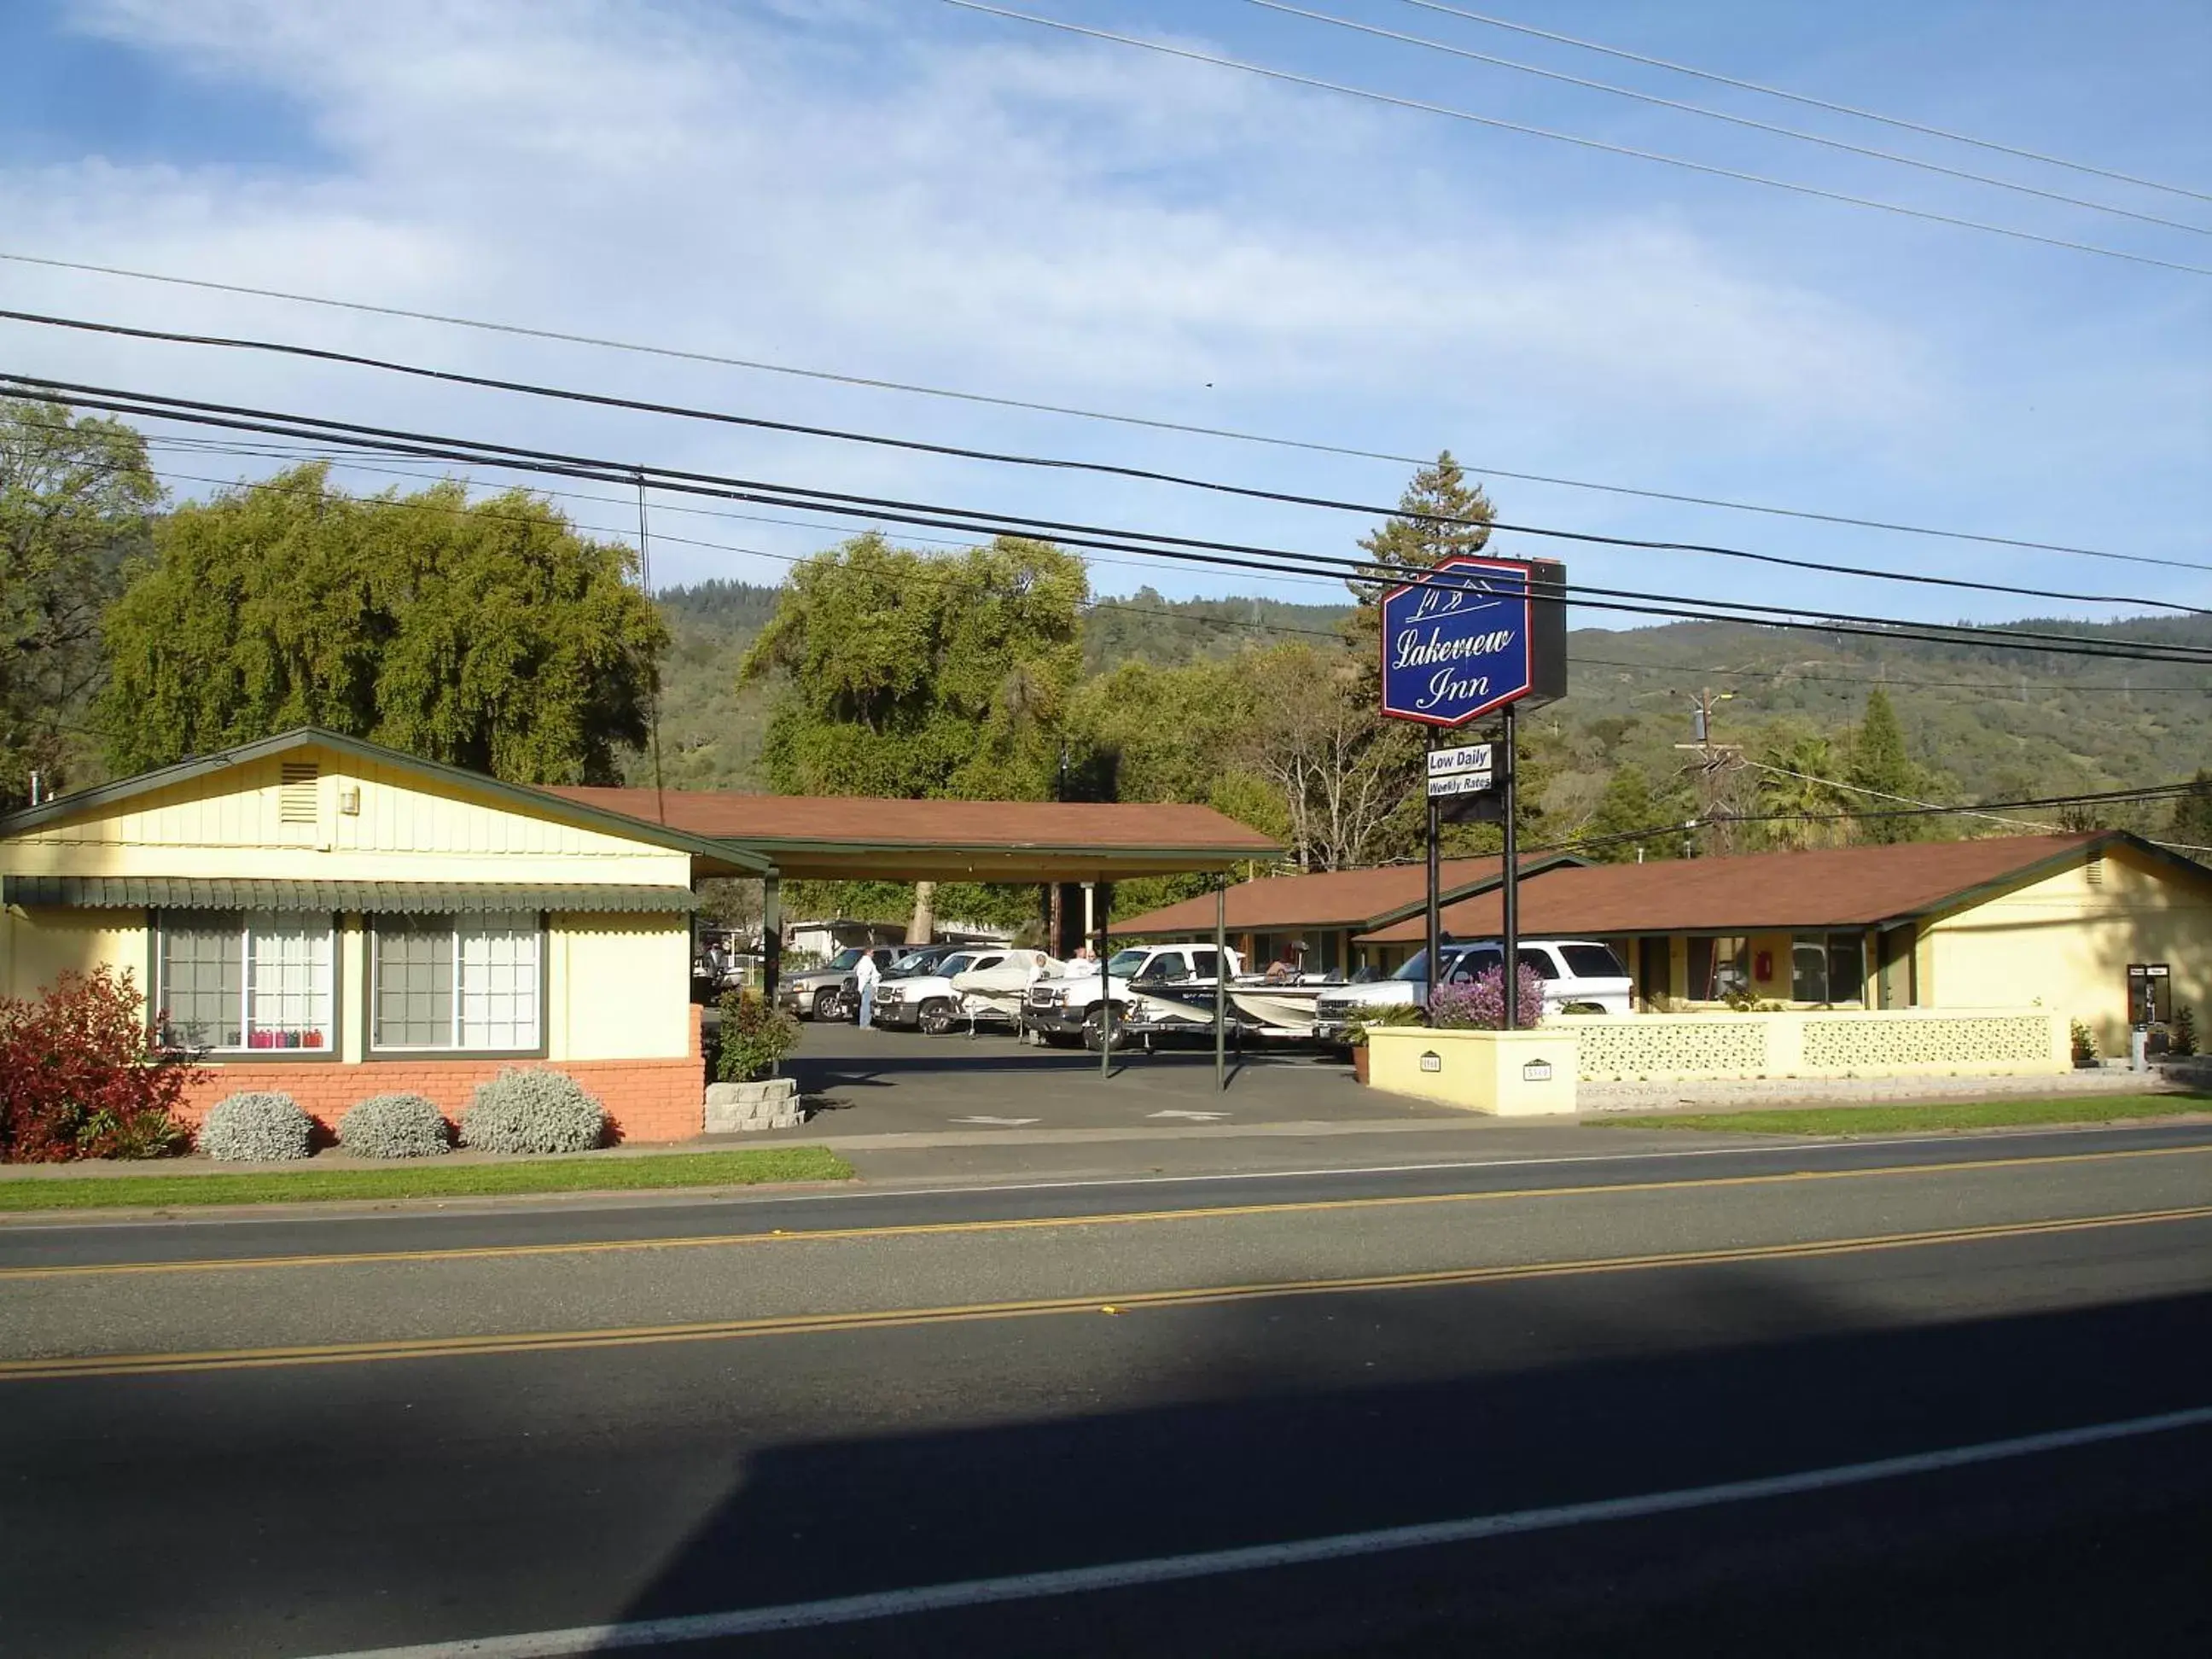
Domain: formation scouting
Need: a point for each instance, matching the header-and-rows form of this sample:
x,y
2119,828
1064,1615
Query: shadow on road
x,y
1536,1395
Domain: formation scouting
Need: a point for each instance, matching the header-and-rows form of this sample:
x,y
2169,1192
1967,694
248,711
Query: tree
x,y
1630,805
1881,764
76,503
918,676
1316,737
1799,776
487,635
2190,826
1439,514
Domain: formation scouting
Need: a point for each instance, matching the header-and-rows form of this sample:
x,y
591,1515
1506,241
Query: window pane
x,y
1808,969
1727,968
499,980
1592,961
289,1001
1846,968
202,978
413,997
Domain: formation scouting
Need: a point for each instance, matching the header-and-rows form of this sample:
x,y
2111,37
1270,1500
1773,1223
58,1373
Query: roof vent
x,y
296,801
2097,870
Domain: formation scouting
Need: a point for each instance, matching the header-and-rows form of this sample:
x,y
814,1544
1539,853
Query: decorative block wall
x,y
1900,1042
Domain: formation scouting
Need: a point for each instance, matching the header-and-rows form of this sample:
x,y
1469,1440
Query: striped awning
x,y
361,897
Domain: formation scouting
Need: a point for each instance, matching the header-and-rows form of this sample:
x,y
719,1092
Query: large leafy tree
x,y
1801,776
488,633
1632,821
908,675
76,503
2190,825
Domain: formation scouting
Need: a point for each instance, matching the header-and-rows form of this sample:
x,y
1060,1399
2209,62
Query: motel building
x,y
332,919
2051,922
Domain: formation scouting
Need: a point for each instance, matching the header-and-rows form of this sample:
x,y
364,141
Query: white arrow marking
x,y
1000,1122
1196,1117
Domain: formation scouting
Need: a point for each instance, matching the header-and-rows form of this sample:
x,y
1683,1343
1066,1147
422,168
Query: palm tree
x,y
1799,777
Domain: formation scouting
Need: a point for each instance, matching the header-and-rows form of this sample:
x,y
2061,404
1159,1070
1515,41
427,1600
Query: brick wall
x,y
647,1099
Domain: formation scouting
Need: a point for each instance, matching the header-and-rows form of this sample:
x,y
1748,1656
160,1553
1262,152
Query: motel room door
x,y
1897,988
1653,956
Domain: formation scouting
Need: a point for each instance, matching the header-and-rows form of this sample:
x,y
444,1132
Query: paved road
x,y
561,1417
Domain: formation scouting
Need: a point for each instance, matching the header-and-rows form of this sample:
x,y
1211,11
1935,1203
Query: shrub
x,y
257,1128
79,1076
1390,1013
1480,1004
533,1111
754,1037
2181,1033
2085,1044
394,1125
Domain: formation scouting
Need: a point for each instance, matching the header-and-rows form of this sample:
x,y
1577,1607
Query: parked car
x,y
1071,1007
830,991
1580,976
928,1000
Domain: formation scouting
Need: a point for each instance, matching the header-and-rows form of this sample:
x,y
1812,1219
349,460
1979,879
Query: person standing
x,y
866,974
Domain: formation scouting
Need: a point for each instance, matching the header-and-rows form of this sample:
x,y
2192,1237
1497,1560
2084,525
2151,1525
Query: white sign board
x,y
1474,758
1462,783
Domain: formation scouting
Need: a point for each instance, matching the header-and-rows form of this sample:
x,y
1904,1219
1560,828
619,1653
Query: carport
x,y
854,837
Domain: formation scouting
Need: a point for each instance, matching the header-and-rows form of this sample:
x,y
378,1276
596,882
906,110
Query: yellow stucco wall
x,y
2065,942
37,946
619,988
227,823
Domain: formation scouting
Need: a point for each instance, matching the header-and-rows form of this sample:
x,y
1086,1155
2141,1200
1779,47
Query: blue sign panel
x,y
1455,643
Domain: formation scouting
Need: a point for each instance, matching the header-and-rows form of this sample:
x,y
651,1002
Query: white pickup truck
x,y
1070,1006
1580,976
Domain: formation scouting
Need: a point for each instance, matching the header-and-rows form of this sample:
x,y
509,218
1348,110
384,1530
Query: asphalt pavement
x,y
301,1437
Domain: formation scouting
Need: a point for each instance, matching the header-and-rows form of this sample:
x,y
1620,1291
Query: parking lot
x,y
875,1081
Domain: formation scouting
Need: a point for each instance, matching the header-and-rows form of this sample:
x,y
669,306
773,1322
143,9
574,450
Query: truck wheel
x,y
828,1005
937,1016
1094,1030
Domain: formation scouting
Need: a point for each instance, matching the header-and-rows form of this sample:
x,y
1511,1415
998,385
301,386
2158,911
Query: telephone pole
x,y
1716,765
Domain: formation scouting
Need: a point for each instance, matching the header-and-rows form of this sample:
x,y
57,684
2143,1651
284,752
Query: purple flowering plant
x,y
1480,1004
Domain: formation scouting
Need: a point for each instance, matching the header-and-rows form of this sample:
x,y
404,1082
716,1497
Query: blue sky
x,y
893,188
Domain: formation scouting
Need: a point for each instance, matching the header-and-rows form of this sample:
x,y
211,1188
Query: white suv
x,y
1581,977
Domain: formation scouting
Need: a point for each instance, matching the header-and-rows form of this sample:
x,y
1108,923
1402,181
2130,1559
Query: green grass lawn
x,y
430,1180
1945,1115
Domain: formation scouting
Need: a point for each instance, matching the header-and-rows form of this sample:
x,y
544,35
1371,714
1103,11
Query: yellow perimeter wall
x,y
2065,942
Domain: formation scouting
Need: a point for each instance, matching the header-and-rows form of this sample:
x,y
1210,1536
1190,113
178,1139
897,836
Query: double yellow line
x,y
1056,1222
350,1353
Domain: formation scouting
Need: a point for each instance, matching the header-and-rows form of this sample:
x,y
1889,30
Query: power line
x,y
605,400
1227,433
1809,102
1424,107
981,521
1821,139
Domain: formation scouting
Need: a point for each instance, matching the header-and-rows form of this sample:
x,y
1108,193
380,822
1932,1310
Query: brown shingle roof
x,y
1835,887
1336,898
858,835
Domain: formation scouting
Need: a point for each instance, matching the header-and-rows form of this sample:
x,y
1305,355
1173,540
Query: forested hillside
x,y
1984,724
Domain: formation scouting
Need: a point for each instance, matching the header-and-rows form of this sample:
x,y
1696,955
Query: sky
x,y
901,190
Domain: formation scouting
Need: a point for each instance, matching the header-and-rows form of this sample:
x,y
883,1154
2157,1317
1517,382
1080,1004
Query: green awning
x,y
361,897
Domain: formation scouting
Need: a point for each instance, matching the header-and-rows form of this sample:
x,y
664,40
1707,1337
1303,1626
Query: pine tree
x,y
1439,514
2191,823
1879,762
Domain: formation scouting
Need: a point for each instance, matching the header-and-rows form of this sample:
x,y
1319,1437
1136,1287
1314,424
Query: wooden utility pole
x,y
1716,766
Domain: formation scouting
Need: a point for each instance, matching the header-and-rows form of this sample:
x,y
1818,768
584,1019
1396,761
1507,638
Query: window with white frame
x,y
232,980
455,982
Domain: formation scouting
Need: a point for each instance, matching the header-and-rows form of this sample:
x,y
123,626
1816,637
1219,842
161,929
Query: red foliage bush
x,y
80,1076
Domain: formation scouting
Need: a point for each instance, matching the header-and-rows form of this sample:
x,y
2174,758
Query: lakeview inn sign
x,y
1471,636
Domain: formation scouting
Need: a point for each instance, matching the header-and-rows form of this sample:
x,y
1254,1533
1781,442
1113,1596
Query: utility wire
x,y
604,400
1722,115
1144,544
1522,127
1228,433
1809,102
1883,794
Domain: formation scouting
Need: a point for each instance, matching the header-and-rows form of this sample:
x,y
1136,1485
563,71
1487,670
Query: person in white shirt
x,y
866,974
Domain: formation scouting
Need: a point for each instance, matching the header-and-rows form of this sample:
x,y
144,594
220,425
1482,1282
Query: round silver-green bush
x,y
394,1125
533,1111
256,1127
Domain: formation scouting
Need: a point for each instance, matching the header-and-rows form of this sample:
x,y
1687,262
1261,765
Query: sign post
x,y
1469,636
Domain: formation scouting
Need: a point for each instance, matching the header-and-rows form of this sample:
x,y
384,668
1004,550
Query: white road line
x,y
1169,1569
